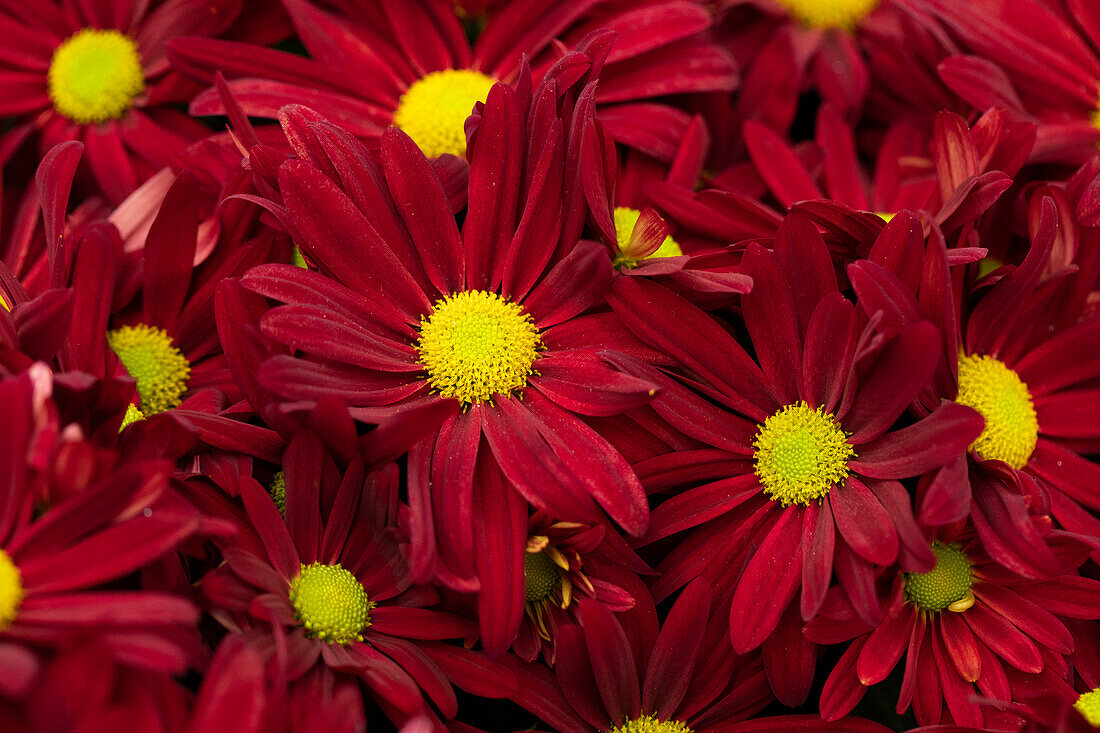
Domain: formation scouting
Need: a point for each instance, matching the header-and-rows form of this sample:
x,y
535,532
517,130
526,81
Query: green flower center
x,y
649,724
11,590
801,453
540,576
945,586
159,368
1089,706
476,344
94,76
1011,426
844,14
330,603
433,111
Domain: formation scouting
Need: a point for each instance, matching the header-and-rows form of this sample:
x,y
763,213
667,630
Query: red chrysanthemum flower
x,y
410,64
966,622
98,72
326,591
809,480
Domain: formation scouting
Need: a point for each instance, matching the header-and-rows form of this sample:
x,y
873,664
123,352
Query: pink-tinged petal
x,y
904,366
422,669
937,440
612,662
768,583
830,346
789,660
817,559
169,252
779,165
884,646
575,283
843,690
696,506
770,317
54,180
339,236
1071,414
961,645
1030,618
20,669
573,668
1072,356
587,386
863,522
423,206
1067,595
672,660
954,152
1008,642
337,338
495,173
108,607
956,691
500,526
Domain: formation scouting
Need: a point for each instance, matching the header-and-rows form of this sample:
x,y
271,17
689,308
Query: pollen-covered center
x,y
829,13
159,368
330,603
1089,706
801,453
94,76
433,111
540,576
945,586
650,724
625,221
11,590
1011,427
476,344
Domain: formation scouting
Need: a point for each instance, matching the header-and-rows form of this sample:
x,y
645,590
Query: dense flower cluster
x,y
607,366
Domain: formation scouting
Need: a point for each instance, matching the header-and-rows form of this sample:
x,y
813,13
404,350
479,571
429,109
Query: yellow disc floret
x,y
1011,426
476,345
801,453
829,13
133,415
433,111
159,368
94,76
278,491
1089,706
11,590
947,585
330,603
649,724
540,576
625,221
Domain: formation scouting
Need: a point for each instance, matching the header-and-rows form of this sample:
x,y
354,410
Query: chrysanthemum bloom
x,y
966,622
52,566
329,591
99,73
411,65
808,477
1019,352
1036,61
458,343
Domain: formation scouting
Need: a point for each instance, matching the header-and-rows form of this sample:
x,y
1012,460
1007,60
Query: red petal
x,y
768,583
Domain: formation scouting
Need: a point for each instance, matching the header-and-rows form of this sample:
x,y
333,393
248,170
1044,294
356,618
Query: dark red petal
x,y
1070,414
800,724
672,660
768,583
817,559
961,645
884,646
863,522
573,285
693,507
583,384
573,669
1067,595
1073,355
843,690
779,165
108,607
317,330
770,318
1008,642
500,527
1029,617
789,660
956,691
54,179
169,253
935,441
613,667
420,667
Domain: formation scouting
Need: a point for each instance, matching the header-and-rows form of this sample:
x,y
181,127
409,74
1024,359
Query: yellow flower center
x,y
649,724
330,603
133,415
94,76
1089,706
829,13
945,586
278,491
540,576
159,368
625,221
800,454
1011,427
476,344
11,590
433,111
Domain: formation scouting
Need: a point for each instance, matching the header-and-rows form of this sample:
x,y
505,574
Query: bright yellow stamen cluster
x,y
94,76
945,586
1011,426
133,415
649,724
159,368
1089,706
11,590
433,111
801,453
540,576
476,345
829,13
625,221
278,491
330,603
